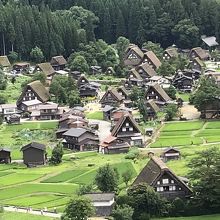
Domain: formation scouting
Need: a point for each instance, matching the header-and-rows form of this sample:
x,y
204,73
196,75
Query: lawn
x,y
22,216
95,115
184,96
204,217
188,133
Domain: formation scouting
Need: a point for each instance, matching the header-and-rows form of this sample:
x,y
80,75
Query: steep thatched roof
x,y
4,61
45,68
58,60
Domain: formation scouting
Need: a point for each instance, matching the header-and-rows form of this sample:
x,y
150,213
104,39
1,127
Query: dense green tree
x,y
145,200
127,176
204,174
57,154
171,92
13,56
74,99
78,209
186,34
123,212
166,69
3,99
80,64
36,55
155,47
171,111
107,179
3,80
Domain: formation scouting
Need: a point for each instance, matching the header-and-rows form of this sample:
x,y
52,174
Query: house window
x,y
127,124
131,129
172,181
172,188
165,181
123,129
109,95
152,92
132,56
156,97
160,189
83,80
158,182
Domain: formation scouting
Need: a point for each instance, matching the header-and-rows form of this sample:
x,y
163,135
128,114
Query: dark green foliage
x,y
204,174
127,176
171,92
205,94
3,80
79,64
146,202
3,99
13,56
78,209
83,189
57,154
36,55
133,154
107,179
123,212
171,111
166,69
1,122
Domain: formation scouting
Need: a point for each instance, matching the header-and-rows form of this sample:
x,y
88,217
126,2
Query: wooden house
x,y
13,119
47,111
21,67
119,113
134,78
170,154
163,180
4,62
80,139
123,92
88,90
8,109
197,65
103,203
34,154
126,129
29,106
113,145
82,81
183,82
127,84
161,81
212,110
75,74
95,70
152,109
157,93
107,112
33,91
198,52
112,98
145,71
45,68
110,71
58,63
133,55
5,155
170,53
151,58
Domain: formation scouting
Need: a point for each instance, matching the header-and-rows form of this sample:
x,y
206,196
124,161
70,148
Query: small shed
x,y
170,154
149,131
13,119
21,67
5,155
34,154
102,202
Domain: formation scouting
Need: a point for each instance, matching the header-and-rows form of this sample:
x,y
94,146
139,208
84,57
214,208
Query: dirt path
x,y
189,112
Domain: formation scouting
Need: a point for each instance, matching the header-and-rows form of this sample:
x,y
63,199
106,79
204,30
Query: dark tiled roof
x,y
170,148
100,197
75,132
210,41
34,145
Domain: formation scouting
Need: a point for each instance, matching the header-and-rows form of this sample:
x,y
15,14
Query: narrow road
x,y
33,212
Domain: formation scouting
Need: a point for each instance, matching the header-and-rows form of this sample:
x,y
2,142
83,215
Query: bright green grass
x,y
16,178
65,176
203,217
176,141
32,200
22,216
95,115
213,125
25,189
184,96
183,126
4,174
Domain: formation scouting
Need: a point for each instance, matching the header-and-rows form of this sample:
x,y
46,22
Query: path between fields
x,y
33,212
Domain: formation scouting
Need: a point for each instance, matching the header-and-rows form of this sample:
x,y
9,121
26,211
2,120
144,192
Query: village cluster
x,y
78,133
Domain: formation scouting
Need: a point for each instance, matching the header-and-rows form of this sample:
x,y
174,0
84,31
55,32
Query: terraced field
x,y
188,133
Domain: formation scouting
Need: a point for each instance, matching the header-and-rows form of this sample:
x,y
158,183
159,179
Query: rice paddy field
x,y
188,133
53,186
204,217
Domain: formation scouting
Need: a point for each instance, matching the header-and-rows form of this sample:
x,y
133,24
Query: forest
x,y
58,26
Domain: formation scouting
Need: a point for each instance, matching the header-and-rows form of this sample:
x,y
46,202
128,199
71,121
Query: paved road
x,y
33,212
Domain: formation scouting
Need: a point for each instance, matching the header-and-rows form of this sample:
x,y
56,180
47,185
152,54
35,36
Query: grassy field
x,y
95,115
188,133
204,217
53,186
15,136
22,216
184,96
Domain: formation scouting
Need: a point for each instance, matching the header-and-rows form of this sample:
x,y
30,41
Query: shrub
x,y
132,154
